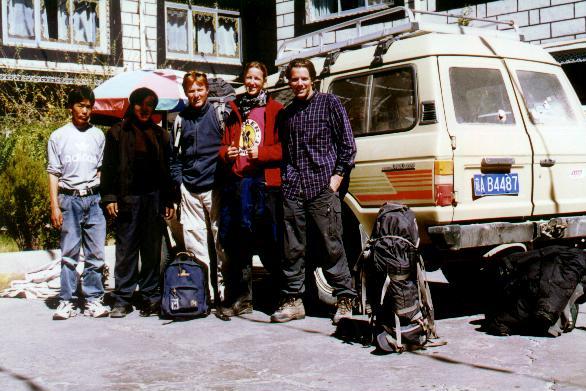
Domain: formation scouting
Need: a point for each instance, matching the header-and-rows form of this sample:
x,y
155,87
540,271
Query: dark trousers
x,y
249,224
325,212
138,231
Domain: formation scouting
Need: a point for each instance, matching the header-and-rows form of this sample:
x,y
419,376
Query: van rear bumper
x,y
460,236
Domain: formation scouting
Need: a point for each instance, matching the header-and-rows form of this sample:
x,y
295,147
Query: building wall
x,y
541,21
136,40
139,34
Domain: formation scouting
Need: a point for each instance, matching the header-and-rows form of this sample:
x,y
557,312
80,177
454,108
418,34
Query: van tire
x,y
323,288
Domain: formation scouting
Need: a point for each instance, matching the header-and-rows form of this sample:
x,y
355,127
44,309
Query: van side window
x,y
353,92
547,100
379,103
480,96
393,101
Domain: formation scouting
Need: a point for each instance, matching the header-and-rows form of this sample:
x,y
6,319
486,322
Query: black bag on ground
x,y
394,290
185,293
537,292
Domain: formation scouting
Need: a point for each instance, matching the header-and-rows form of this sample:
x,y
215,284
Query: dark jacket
x,y
117,175
194,164
270,153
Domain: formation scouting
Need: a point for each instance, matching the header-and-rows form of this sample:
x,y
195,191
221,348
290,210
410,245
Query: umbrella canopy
x,y
112,95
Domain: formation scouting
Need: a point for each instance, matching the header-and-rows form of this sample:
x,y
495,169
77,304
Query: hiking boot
x,y
120,310
96,309
238,308
64,311
291,308
343,309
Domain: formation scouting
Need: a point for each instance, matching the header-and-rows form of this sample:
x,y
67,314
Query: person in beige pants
x,y
193,169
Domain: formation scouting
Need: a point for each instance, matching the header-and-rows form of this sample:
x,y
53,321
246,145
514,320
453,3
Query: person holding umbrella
x,y
136,190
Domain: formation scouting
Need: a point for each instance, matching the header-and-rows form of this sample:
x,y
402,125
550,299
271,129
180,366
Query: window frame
x,y
191,55
38,42
371,75
354,11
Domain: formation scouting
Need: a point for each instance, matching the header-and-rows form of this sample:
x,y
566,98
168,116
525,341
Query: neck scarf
x,y
246,102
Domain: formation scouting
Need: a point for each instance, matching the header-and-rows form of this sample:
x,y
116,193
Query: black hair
x,y
78,94
138,96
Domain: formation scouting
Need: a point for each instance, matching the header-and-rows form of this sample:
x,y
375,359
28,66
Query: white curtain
x,y
228,37
84,22
205,34
322,8
62,20
21,20
177,30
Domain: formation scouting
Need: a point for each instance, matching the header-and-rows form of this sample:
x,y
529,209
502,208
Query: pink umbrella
x,y
112,95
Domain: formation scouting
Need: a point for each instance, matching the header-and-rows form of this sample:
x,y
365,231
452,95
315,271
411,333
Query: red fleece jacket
x,y
270,153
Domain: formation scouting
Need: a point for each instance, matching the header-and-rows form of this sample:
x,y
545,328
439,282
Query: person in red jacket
x,y
251,212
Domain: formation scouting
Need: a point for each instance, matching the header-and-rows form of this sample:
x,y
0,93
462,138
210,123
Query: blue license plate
x,y
496,184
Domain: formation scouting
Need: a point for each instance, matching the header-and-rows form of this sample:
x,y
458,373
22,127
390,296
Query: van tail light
x,y
443,182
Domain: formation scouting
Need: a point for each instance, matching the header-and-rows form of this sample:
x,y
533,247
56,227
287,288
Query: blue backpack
x,y
185,292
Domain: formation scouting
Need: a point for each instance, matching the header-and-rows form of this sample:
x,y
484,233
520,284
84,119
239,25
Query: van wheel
x,y
323,289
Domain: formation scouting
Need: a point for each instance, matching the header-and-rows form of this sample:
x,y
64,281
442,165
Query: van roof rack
x,y
294,48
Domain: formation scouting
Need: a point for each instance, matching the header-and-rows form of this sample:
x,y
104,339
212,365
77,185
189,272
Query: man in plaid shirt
x,y
318,152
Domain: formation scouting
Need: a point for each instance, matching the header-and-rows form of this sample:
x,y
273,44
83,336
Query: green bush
x,y
24,201
24,190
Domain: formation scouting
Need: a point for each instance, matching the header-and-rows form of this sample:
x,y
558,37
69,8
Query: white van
x,y
480,133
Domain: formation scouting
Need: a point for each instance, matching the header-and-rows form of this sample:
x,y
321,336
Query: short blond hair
x,y
195,77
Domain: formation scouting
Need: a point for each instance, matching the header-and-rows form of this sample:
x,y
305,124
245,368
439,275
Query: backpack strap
x,y
374,240
177,128
425,300
220,107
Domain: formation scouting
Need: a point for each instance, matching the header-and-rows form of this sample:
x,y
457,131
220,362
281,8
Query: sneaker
x,y
120,310
343,309
64,311
95,309
291,308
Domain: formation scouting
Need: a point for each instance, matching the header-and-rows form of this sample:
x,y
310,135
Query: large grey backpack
x,y
394,291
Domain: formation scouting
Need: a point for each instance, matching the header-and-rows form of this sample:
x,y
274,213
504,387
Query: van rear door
x,y
492,151
557,128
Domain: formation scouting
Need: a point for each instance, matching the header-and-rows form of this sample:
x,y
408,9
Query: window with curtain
x,y
177,30
21,20
84,21
55,20
67,24
228,36
199,31
205,32
324,9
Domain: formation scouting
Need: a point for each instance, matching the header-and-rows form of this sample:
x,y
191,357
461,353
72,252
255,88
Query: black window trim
x,y
372,73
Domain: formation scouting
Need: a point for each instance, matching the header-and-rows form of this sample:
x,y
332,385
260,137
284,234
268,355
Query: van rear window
x,y
546,99
480,96
382,102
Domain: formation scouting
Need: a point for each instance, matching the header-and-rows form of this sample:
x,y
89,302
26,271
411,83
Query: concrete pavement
x,y
249,353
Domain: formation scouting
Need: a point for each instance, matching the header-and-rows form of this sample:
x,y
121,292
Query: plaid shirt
x,y
317,143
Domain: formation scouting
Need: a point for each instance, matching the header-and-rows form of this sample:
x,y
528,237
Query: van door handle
x,y
547,162
496,164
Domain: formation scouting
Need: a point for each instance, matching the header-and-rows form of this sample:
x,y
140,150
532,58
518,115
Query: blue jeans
x,y
84,226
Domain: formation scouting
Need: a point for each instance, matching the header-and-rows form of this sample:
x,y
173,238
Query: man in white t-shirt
x,y
75,154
